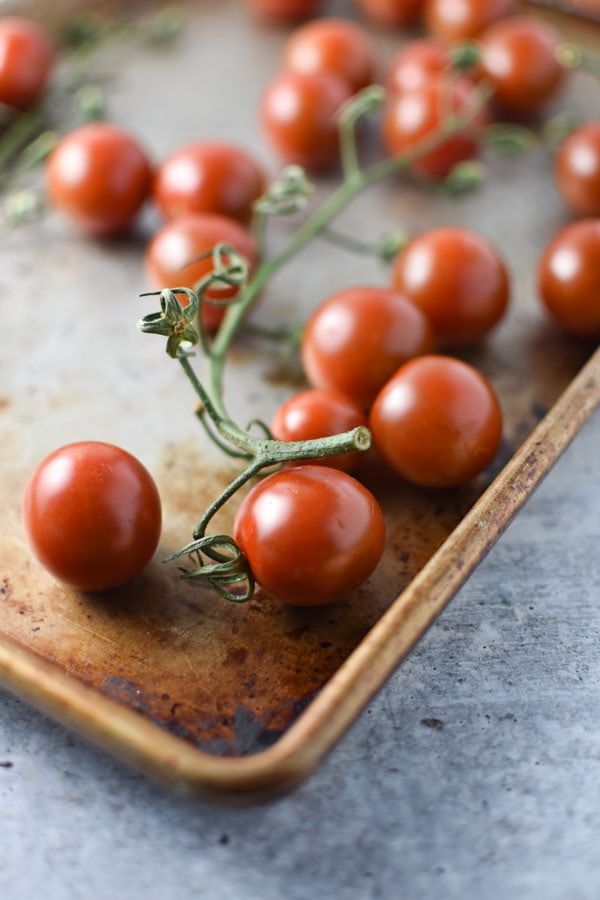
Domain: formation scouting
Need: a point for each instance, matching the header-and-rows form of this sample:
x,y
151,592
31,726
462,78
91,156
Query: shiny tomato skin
x,y
357,338
458,279
411,116
99,176
437,422
416,62
397,13
458,20
171,257
569,278
577,170
92,515
312,534
518,58
336,46
299,117
315,414
27,58
208,176
285,10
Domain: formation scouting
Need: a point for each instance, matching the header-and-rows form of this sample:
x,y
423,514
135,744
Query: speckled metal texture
x,y
198,692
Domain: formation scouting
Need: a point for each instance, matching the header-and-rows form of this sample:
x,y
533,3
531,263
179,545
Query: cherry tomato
x,y
208,177
458,279
569,278
99,176
457,20
336,46
92,515
416,62
26,62
577,170
172,258
285,10
315,414
357,338
518,58
437,422
299,117
412,116
312,534
398,13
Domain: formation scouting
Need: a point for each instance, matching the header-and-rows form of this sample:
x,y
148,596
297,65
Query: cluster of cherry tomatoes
x,y
372,355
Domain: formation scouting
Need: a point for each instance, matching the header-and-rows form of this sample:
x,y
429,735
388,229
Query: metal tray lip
x,y
282,766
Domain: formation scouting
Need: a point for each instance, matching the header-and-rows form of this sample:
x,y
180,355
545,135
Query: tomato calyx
x,y
179,321
227,569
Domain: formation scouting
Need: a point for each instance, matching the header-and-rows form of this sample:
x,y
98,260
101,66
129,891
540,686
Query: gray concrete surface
x,y
498,800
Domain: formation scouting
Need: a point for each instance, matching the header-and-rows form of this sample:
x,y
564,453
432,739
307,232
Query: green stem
x,y
18,134
269,452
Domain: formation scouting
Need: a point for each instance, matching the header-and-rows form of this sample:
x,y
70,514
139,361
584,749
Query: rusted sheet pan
x,y
200,693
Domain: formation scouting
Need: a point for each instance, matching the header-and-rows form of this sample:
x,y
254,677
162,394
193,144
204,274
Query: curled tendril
x,y
175,320
228,571
288,194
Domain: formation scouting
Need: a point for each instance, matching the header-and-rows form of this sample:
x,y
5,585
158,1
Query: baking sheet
x,y
198,692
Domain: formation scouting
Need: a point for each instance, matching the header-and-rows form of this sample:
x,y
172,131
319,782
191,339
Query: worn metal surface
x,y
224,682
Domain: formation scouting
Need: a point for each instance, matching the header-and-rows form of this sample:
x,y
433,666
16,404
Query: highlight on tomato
x,y
415,62
437,422
178,255
356,339
208,176
577,170
99,176
92,515
27,59
458,279
411,116
458,20
312,534
299,117
569,278
315,414
337,46
519,59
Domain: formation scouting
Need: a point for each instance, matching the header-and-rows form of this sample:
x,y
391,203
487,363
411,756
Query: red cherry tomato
x,y
577,170
337,46
459,281
416,62
208,177
99,176
437,422
457,20
26,62
398,13
312,534
299,115
92,515
357,338
316,414
285,10
569,278
518,58
172,258
412,116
